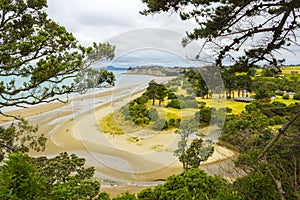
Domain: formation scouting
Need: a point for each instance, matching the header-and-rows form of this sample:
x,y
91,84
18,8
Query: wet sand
x,y
120,164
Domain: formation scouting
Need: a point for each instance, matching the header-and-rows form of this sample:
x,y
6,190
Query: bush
x,y
286,97
139,121
153,114
228,110
279,104
265,100
297,96
250,108
172,95
201,104
160,124
271,122
278,120
279,93
174,104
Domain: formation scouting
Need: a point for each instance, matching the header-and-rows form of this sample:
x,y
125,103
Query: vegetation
x,y
266,133
37,57
154,70
217,20
62,177
108,125
28,36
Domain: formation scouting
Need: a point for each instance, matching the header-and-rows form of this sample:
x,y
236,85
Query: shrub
x,y
265,100
271,122
139,121
297,96
160,124
278,120
279,104
286,97
279,93
174,104
153,114
250,108
201,104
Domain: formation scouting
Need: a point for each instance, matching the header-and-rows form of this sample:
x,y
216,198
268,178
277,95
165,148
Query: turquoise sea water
x,y
122,80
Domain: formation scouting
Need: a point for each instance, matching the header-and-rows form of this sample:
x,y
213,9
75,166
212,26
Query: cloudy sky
x,y
140,40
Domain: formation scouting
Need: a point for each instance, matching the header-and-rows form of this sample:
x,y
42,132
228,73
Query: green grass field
x,y
286,101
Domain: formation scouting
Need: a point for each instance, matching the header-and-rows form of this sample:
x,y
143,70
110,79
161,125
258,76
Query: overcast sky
x,y
139,39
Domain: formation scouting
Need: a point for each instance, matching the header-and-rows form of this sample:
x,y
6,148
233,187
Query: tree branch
x,y
278,135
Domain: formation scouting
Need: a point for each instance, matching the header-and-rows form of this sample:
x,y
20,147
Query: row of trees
x,y
241,82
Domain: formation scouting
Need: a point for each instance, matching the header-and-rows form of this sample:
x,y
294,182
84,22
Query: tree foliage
x,y
19,179
61,177
191,184
156,91
269,25
19,138
37,55
191,155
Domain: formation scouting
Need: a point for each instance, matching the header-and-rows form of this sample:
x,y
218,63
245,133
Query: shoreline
x,y
116,160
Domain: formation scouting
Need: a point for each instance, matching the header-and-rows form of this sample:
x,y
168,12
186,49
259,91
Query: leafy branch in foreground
x,y
61,177
19,138
259,28
38,56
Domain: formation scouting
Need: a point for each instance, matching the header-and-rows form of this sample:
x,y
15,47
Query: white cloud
x,y
106,20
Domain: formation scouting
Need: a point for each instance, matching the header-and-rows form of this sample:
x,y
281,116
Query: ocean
x,y
122,80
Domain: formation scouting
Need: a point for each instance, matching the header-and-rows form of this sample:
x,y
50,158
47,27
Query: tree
x,y
93,78
37,55
161,93
62,177
186,129
152,91
269,24
19,179
19,138
192,184
153,114
195,154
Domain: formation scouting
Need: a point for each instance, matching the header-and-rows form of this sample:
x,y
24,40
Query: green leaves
x,y
28,36
62,177
19,179
191,184
19,138
235,23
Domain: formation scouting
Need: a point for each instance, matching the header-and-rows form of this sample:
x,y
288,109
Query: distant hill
x,y
115,68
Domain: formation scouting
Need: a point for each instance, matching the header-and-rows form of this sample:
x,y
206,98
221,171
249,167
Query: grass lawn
x,y
237,107
286,101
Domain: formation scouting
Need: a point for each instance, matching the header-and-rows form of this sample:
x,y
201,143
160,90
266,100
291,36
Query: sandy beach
x,y
120,164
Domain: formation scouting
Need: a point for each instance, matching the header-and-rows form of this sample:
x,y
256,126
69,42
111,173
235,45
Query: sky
x,y
140,40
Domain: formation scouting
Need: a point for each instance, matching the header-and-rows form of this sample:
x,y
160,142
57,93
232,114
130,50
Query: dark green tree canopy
x,y
259,27
37,55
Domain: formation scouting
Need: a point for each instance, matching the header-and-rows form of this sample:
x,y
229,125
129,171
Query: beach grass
x,y
109,125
